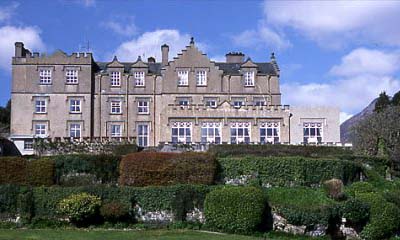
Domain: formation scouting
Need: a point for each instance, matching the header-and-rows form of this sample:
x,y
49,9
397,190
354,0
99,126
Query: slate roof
x,y
228,68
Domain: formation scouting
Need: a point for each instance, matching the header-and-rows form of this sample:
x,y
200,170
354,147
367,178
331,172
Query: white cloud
x,y
344,116
149,44
333,23
367,61
87,3
127,28
7,11
263,36
30,36
360,77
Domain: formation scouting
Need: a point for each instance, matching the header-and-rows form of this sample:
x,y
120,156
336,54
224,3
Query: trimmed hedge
x,y
302,206
86,169
178,199
154,169
235,209
290,171
276,150
20,171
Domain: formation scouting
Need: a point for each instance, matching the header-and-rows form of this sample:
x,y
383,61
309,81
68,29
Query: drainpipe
x,y
290,116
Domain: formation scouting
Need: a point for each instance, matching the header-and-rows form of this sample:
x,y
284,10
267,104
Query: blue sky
x,y
336,53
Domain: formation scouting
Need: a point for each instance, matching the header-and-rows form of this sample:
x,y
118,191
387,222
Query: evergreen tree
x,y
396,99
382,103
5,113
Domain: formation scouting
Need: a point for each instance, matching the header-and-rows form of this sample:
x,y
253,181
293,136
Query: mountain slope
x,y
345,127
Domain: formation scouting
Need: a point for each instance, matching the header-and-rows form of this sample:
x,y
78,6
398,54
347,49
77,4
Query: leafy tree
x,y
379,134
382,103
396,99
5,113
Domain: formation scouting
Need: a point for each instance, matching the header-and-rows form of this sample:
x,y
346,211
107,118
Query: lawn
x,y
69,234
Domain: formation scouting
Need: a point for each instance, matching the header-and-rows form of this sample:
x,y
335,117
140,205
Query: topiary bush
x,y
152,168
79,207
384,217
235,209
334,189
289,171
114,211
302,205
356,213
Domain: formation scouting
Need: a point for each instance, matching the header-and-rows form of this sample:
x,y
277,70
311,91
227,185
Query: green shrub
x,y
152,168
289,171
8,201
85,169
334,189
302,205
178,199
356,212
384,216
114,211
235,209
233,150
79,207
41,172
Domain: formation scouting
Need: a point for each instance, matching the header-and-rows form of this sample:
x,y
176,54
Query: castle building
x,y
187,100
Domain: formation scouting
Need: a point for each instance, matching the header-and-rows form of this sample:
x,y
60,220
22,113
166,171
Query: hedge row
x,y
41,202
289,171
16,170
276,150
152,168
85,169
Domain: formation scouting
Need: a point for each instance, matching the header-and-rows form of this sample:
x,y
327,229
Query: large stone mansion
x,y
189,99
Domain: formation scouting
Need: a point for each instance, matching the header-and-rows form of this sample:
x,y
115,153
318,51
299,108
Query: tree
x,y
382,103
5,113
396,99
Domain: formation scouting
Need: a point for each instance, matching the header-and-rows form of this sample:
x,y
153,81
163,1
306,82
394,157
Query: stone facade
x,y
190,99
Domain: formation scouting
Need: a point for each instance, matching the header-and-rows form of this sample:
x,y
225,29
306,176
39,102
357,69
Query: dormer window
x,y
238,102
139,79
201,78
183,78
248,79
115,79
260,101
210,102
45,76
71,76
183,101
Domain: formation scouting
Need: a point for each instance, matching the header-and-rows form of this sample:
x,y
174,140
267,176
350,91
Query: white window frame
x,y
139,79
116,130
45,76
238,102
28,144
75,130
211,132
40,130
201,78
183,78
183,101
142,135
260,101
249,79
75,106
71,76
181,132
40,106
312,132
270,132
115,79
211,103
116,107
240,132
143,107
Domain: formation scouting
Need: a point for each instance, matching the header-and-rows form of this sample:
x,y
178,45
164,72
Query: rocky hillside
x,y
346,126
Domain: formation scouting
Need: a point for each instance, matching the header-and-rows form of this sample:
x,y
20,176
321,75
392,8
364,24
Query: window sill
x,y
201,85
141,113
71,83
40,113
183,85
75,113
139,86
115,86
45,84
249,86
115,113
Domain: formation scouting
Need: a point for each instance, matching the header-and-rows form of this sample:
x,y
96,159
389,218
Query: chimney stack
x,y
19,49
164,54
234,57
